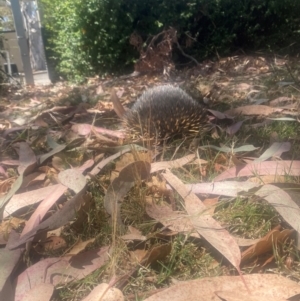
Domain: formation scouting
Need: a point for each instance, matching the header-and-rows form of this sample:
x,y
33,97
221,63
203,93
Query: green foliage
x,y
92,36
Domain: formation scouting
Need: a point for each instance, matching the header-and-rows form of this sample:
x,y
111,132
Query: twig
x,y
186,55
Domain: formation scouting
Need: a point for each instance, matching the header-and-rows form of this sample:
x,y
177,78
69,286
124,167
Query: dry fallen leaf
x,y
43,291
263,286
135,171
171,164
104,292
253,110
204,224
6,227
80,246
51,243
284,168
60,270
266,244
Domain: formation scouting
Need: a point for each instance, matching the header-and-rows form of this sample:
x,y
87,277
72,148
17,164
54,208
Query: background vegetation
x,y
92,36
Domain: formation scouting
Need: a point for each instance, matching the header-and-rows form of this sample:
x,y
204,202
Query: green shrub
x,y
91,37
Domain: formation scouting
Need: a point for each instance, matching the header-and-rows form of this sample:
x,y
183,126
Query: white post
x,y
22,40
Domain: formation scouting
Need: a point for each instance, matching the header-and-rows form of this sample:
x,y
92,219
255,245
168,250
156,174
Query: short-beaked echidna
x,y
165,112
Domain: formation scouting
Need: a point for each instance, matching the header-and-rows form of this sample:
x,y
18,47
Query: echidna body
x,y
165,112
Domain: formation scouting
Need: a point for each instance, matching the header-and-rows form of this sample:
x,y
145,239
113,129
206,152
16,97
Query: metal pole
x,y
22,40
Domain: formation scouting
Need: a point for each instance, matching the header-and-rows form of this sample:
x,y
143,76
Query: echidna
x,y
165,112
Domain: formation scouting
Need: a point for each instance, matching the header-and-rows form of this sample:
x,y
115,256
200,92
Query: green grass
x,y
247,218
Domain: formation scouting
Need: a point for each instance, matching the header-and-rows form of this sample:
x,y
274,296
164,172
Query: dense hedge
x,y
90,37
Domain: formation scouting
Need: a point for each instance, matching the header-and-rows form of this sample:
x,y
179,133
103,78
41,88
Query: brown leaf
x,y
43,291
228,188
266,244
260,285
282,202
135,171
60,270
175,220
8,261
25,199
211,204
43,208
27,158
58,163
253,110
261,180
80,246
55,221
6,227
72,179
171,164
52,243
138,255
205,225
156,253
33,178
279,100
107,160
118,107
104,292
291,168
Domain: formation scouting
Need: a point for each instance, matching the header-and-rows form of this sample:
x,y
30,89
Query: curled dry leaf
x,y
156,253
266,244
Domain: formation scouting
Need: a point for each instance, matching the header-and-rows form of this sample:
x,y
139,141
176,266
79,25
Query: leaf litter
x,y
90,211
